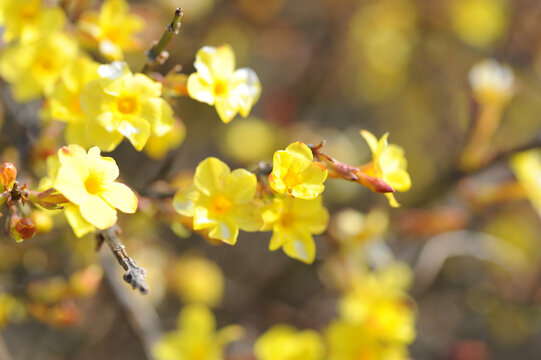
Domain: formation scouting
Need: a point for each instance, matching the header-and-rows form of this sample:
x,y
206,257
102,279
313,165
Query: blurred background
x,y
328,68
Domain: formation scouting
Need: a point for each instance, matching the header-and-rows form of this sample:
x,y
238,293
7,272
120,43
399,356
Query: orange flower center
x,y
220,204
127,105
291,179
220,88
93,184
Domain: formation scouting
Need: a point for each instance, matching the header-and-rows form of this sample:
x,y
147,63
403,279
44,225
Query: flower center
x,y
220,88
291,179
220,204
93,184
127,105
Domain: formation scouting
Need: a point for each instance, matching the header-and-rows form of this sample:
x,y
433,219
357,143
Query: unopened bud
x,y
22,229
49,199
8,174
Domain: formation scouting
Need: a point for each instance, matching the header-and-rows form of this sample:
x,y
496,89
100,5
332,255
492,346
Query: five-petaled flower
x,y
220,200
293,222
216,82
388,163
88,182
294,172
125,104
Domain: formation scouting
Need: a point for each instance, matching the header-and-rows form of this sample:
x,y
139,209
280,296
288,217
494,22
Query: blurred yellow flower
x,y
492,82
220,200
112,29
32,68
63,102
294,172
349,341
28,20
126,104
198,280
10,309
378,299
88,181
376,316
248,140
284,342
158,146
388,163
480,23
527,168
216,82
196,337
293,222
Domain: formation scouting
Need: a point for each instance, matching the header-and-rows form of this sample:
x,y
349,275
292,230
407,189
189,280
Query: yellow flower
x,y
377,317
34,67
284,342
196,337
197,279
294,172
492,82
28,20
112,29
480,23
88,182
527,168
158,146
388,163
220,200
126,105
378,300
347,341
63,102
216,82
293,222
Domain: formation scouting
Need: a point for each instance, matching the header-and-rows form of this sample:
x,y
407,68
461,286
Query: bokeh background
x,y
328,68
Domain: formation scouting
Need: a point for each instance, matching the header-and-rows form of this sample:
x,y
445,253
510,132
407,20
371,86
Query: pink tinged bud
x,y
8,174
49,199
373,183
22,229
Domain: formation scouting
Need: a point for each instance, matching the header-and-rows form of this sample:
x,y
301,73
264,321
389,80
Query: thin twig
x,y
157,53
134,275
4,353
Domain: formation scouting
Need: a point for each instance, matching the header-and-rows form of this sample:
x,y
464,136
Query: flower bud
x,y
22,229
8,174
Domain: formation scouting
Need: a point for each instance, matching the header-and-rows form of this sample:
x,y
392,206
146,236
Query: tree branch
x,y
157,53
134,275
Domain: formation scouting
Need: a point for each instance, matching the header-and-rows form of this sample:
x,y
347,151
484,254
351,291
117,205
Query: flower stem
x,y
157,53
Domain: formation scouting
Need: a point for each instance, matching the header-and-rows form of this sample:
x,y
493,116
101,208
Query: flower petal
x,y
184,200
227,231
79,225
211,175
105,165
246,87
302,248
240,185
70,184
199,89
74,156
97,212
120,196
135,129
371,140
227,108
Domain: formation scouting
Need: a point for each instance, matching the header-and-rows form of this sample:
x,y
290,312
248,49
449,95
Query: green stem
x,y
157,53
